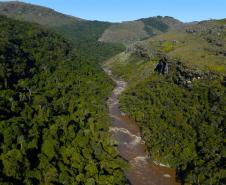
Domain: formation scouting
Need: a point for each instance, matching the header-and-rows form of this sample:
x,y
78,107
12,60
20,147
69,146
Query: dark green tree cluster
x,y
53,117
183,127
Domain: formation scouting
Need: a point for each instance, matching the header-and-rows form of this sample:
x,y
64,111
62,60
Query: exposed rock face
x,y
163,66
180,74
186,76
224,81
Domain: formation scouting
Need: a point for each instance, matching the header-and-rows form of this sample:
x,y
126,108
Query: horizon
x,y
117,11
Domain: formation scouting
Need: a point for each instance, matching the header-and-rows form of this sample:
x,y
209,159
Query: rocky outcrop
x,y
180,74
186,76
163,66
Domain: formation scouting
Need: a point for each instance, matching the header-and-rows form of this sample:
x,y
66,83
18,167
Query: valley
x,y
132,148
83,102
172,89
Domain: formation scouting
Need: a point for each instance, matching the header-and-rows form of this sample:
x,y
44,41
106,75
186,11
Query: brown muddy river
x,y
142,171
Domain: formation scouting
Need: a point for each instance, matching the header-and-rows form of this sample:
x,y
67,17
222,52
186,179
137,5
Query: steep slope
x,y
53,114
201,45
82,34
128,32
84,37
35,13
93,38
177,92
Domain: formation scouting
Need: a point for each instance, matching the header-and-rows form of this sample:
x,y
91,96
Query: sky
x,y
124,10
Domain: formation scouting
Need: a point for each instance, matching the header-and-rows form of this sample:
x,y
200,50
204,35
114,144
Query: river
x,y
131,147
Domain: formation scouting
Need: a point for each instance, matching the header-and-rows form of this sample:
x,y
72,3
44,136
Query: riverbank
x,y
126,132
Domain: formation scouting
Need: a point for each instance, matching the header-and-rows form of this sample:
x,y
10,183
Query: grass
x,y
125,32
222,21
131,31
168,46
130,67
193,50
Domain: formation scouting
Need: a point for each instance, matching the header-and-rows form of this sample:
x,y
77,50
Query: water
x,y
142,171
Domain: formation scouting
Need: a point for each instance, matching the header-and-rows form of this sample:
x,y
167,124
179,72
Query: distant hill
x,y
35,13
83,34
201,45
131,31
71,27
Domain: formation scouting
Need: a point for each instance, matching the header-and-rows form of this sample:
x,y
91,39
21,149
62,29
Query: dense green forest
x,y
183,124
53,117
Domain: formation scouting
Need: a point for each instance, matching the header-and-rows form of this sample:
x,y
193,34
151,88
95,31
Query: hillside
x,y
131,31
177,94
54,119
110,35
200,46
53,114
34,13
83,34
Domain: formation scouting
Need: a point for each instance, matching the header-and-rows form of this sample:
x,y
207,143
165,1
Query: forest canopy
x,y
53,117
183,125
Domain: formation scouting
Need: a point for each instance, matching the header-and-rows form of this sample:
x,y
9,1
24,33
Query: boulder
x,y
162,66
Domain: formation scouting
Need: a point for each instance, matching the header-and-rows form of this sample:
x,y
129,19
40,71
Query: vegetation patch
x,y
182,127
53,114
